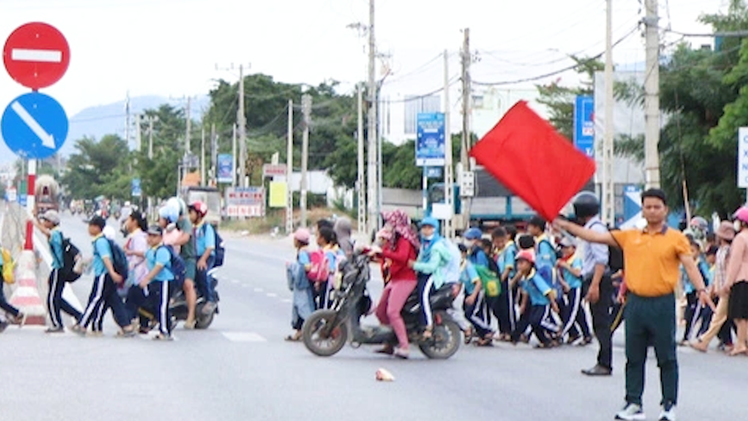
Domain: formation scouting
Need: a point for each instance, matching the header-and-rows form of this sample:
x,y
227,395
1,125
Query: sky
x,y
176,48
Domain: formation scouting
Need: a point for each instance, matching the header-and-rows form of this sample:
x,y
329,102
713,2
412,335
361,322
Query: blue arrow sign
x,y
34,126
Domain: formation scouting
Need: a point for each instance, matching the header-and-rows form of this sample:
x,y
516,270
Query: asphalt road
x,y
242,369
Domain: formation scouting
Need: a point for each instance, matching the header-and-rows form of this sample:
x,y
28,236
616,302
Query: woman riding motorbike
x,y
399,246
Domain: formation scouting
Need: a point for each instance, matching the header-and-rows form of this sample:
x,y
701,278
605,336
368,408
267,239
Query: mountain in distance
x,y
101,120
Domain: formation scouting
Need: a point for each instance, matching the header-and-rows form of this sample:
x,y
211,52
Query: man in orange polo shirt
x,y
652,257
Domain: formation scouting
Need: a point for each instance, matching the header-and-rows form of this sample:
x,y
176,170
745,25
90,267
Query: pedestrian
x,y
158,281
725,235
506,250
652,257
205,243
400,245
737,283
322,288
597,283
49,225
475,309
476,304
104,289
570,276
343,230
16,315
136,245
539,300
303,301
693,308
430,266
174,215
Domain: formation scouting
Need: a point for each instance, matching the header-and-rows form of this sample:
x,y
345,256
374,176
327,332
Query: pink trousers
x,y
391,304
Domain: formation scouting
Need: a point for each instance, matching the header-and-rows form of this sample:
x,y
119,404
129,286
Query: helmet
x,y
169,213
199,207
741,214
473,234
699,223
586,204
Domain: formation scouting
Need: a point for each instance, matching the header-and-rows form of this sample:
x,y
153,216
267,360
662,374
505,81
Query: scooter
x,y
178,306
326,331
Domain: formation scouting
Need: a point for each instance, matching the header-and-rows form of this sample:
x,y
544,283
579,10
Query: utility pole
x,y
138,135
214,148
242,120
372,130
608,208
202,157
151,120
360,182
448,169
234,158
651,97
289,170
127,119
306,110
466,93
187,129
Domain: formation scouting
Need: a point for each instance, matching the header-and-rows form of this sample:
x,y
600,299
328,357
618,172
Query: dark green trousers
x,y
651,321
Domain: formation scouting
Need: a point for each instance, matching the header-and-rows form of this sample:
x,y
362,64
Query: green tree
x,y
159,174
95,168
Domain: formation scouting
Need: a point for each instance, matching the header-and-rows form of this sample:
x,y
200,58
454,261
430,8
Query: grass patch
x,y
276,218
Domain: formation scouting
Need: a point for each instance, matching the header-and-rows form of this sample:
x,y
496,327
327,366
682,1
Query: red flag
x,y
527,155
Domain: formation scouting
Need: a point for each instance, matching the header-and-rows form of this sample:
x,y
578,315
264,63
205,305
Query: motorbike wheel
x,y
322,339
445,341
203,321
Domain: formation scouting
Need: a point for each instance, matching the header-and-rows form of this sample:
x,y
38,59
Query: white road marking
x,y
258,289
272,295
41,56
47,139
234,281
286,300
244,337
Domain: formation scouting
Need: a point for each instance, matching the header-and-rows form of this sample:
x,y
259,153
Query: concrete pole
x,y
449,178
289,170
360,181
372,180
242,120
608,208
651,97
306,109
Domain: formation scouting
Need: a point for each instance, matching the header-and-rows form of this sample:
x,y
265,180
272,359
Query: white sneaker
x,y
631,412
667,413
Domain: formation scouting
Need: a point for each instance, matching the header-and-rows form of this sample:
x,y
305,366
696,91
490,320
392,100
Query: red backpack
x,y
320,267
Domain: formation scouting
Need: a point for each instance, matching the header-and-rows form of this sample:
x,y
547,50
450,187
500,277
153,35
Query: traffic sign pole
x,y
29,244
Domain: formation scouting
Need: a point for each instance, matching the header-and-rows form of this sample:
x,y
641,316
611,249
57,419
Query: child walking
x,y
303,302
540,299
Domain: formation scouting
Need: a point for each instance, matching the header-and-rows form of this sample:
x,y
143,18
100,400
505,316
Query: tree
x,y
96,168
159,175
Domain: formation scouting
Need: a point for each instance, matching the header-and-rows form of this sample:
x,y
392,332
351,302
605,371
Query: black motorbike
x,y
178,306
326,331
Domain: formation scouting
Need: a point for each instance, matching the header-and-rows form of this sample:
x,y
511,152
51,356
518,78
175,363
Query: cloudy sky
x,y
172,47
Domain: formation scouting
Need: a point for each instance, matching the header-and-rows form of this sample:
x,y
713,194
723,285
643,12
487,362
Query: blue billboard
x,y
584,125
430,140
225,168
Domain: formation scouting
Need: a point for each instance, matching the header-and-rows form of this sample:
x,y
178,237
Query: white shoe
x,y
631,412
667,413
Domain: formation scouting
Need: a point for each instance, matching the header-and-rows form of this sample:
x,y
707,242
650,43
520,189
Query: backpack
x,y
320,266
220,250
8,266
615,254
119,259
177,266
489,280
69,255
453,268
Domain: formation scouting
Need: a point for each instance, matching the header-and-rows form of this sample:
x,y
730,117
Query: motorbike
x,y
178,306
326,331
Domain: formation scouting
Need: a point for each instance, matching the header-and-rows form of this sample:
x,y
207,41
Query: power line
x,y
556,72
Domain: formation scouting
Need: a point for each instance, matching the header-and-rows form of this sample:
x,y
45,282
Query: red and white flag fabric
x,y
526,154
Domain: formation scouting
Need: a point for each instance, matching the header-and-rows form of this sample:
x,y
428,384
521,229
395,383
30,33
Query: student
x,y
432,261
539,298
303,301
693,307
157,283
725,235
6,306
475,309
506,250
570,275
49,224
326,242
476,306
205,242
104,289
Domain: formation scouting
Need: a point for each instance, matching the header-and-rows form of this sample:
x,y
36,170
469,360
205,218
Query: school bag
x,y
70,255
615,254
220,250
489,280
119,259
320,266
8,266
177,267
452,269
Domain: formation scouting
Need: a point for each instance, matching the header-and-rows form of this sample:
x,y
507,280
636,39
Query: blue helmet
x,y
431,221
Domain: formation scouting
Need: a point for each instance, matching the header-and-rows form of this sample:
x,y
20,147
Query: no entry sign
x,y
36,55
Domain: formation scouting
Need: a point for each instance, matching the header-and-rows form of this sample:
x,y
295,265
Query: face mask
x,y
736,225
428,238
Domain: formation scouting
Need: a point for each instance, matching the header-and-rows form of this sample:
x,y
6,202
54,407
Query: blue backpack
x,y
220,250
177,266
119,258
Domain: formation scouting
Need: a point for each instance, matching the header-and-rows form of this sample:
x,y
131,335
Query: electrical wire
x,y
556,72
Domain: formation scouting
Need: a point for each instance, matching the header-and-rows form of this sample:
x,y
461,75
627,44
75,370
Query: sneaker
x,y
667,413
80,330
162,337
59,329
631,412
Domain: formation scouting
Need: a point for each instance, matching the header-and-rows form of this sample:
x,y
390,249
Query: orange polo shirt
x,y
652,259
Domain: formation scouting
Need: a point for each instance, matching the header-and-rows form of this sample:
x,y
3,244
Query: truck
x,y
46,194
208,195
493,203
